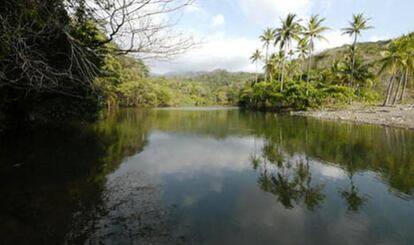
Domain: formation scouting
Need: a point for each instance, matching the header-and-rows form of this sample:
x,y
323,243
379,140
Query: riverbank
x,y
396,116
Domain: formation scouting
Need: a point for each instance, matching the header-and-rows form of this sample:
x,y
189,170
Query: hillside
x,y
217,77
370,51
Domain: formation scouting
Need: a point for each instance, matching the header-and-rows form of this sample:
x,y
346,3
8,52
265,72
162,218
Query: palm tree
x,y
358,24
289,31
408,61
255,58
391,62
313,31
267,38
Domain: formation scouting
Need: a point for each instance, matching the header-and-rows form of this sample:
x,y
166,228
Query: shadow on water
x,y
73,184
55,188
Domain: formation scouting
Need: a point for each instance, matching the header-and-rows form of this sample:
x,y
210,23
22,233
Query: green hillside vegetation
x,y
127,84
297,79
217,77
371,53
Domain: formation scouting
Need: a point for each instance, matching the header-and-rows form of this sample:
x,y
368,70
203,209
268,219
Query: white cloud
x,y
334,39
219,52
331,172
216,52
269,11
208,155
218,20
379,38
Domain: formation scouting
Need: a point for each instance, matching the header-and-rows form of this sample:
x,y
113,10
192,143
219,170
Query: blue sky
x,y
228,29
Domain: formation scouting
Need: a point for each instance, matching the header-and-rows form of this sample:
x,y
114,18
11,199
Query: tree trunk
x,y
267,61
283,70
388,95
271,75
279,78
282,76
302,68
398,89
310,60
353,59
404,86
256,73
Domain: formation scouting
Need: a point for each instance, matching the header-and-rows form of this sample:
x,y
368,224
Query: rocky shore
x,y
396,116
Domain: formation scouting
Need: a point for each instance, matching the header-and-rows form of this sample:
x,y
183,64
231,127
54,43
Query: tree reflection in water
x,y
353,199
289,179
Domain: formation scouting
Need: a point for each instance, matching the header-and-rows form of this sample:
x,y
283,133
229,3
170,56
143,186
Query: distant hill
x,y
218,77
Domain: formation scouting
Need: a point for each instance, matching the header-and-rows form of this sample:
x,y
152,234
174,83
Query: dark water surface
x,y
207,177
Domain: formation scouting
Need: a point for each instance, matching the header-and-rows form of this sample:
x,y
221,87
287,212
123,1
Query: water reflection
x,y
291,181
352,197
207,177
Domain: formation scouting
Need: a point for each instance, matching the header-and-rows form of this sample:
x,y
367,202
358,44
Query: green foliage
x,y
126,83
300,95
295,96
398,61
48,61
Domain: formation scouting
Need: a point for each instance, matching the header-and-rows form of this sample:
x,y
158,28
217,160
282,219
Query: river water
x,y
207,176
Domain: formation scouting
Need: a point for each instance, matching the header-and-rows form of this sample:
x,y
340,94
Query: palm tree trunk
x,y
279,78
256,73
302,68
282,76
310,60
283,70
389,89
404,86
309,69
271,75
267,61
309,66
398,89
353,59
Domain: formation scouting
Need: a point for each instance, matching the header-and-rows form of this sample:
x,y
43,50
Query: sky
x,y
227,31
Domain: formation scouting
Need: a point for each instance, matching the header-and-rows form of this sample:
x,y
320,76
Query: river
x,y
207,176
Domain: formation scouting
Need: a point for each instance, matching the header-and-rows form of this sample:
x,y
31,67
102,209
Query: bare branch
x,y
145,28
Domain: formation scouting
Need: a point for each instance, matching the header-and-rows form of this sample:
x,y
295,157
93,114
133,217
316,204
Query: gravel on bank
x,y
395,116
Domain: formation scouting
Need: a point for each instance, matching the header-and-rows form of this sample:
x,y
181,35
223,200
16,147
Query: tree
x,y
408,62
289,31
52,51
49,60
313,31
358,24
255,58
267,38
142,27
391,62
399,62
